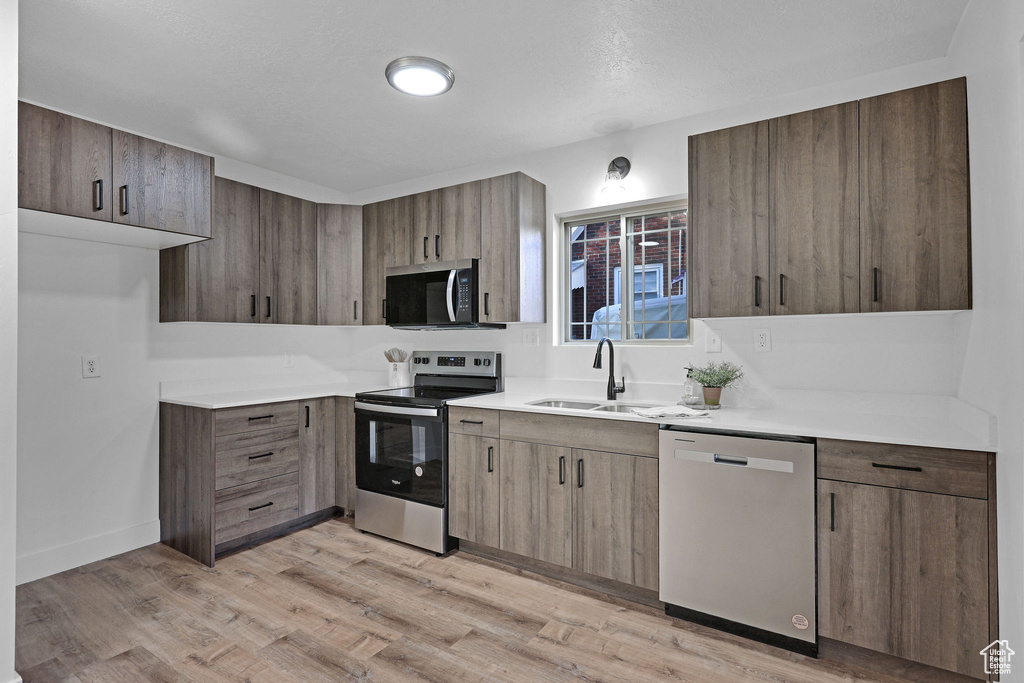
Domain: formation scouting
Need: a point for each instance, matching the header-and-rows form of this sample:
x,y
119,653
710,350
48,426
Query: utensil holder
x,y
399,375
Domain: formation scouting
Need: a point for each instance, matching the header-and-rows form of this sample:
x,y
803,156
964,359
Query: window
x,y
637,257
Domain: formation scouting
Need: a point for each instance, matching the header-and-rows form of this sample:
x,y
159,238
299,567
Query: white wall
x,y
9,327
988,48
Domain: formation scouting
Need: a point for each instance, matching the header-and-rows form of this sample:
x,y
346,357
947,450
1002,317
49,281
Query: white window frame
x,y
565,270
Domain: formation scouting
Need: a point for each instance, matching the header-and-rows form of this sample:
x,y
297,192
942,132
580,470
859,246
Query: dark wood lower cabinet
x,y
235,476
473,476
535,501
615,517
905,573
345,453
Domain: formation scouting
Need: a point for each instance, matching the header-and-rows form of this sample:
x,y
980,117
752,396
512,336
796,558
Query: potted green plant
x,y
714,377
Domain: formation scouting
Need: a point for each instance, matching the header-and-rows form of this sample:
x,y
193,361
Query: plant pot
x,y
712,395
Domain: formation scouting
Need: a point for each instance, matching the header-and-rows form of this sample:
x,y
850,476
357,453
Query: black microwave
x,y
442,295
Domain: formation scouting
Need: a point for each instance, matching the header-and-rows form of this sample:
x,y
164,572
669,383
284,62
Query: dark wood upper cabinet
x,y
915,199
373,265
161,186
339,246
814,211
225,271
513,221
63,164
425,234
217,280
460,222
728,213
288,277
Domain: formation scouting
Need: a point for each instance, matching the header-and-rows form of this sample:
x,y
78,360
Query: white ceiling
x,y
298,86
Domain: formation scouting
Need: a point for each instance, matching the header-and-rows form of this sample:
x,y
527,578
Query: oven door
x,y
402,451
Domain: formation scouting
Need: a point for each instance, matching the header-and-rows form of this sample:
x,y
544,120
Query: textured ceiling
x,y
298,87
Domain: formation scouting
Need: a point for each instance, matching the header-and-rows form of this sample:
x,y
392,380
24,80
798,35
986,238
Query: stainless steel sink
x,y
619,408
561,403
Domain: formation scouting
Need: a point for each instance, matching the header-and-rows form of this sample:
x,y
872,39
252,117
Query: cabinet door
x,y
815,212
615,516
339,247
904,572
499,248
426,227
317,448
728,213
161,186
459,234
915,200
288,277
224,272
473,471
373,265
345,453
63,164
535,501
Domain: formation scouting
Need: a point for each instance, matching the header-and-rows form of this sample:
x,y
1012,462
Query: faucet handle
x,y
620,388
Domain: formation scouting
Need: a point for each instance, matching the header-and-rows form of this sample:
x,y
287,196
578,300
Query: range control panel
x,y
469,363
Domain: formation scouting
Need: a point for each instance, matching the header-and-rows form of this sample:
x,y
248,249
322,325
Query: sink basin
x,y
619,408
561,403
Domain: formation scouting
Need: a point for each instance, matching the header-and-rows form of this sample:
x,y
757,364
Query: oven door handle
x,y
451,294
397,410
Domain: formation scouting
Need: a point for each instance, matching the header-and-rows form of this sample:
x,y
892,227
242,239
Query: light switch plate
x,y
713,341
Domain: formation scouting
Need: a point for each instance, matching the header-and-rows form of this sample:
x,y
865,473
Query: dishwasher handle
x,y
751,463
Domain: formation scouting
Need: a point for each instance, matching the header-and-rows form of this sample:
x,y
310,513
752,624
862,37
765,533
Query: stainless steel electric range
x,y
402,446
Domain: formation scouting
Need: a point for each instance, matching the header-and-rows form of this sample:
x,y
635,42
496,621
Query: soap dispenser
x,y
690,395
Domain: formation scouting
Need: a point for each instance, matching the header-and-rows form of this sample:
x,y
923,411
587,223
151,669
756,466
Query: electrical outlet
x,y
289,359
531,336
90,367
713,342
762,340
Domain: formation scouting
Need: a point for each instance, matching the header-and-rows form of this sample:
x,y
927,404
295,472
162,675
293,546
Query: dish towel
x,y
669,411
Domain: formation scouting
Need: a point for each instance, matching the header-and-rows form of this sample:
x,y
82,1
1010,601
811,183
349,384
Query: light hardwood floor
x,y
329,603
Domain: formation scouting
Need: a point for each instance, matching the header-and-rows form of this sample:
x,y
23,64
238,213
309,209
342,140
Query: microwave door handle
x,y
452,292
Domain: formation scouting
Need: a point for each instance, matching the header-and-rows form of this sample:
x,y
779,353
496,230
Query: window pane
x,y
594,256
602,230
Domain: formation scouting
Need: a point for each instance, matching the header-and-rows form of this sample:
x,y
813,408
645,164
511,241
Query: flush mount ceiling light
x,y
420,76
617,170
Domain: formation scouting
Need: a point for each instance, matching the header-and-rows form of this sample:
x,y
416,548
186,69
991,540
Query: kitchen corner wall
x,y
87,478
989,48
9,326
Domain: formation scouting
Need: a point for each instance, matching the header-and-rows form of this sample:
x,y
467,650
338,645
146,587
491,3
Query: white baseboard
x,y
55,560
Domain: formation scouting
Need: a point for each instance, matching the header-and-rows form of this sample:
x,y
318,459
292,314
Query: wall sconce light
x,y
617,170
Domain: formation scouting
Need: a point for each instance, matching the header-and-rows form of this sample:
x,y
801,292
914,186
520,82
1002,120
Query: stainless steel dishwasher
x,y
736,530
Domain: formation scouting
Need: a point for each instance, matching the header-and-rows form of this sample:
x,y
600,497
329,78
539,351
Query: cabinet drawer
x,y
936,470
251,418
251,456
587,433
248,508
473,421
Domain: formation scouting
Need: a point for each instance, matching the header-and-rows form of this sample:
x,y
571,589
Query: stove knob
x,y
426,361
476,361
487,362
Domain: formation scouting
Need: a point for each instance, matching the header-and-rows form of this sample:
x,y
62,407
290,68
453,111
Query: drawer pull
x,y
257,457
260,507
123,193
472,422
98,200
579,473
253,314
261,417
490,458
757,291
832,506
903,468
561,470
307,417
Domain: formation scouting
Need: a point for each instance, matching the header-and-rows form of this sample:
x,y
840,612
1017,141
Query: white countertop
x,y
254,396
933,421
940,429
